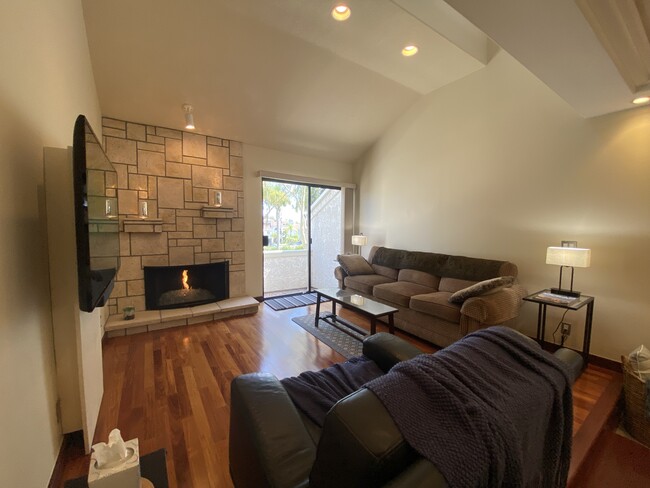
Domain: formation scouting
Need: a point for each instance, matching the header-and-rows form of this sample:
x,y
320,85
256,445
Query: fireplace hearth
x,y
185,286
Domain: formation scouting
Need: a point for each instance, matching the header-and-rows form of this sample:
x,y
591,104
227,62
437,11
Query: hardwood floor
x,y
171,388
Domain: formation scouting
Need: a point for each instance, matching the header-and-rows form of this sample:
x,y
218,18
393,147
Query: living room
x,y
494,165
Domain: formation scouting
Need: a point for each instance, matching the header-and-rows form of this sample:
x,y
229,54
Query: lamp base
x,y
566,293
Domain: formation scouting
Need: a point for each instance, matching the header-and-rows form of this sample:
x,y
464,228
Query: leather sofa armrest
x,y
360,445
495,308
340,274
269,444
572,360
387,350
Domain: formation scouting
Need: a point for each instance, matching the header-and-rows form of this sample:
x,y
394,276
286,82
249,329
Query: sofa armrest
x,y
495,308
269,444
387,350
360,445
340,274
572,360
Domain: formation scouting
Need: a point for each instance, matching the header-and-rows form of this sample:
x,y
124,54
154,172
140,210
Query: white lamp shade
x,y
359,240
569,256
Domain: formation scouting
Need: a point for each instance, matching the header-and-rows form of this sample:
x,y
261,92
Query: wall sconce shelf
x,y
143,225
217,212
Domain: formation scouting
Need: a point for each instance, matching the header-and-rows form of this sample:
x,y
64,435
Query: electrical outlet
x,y
566,328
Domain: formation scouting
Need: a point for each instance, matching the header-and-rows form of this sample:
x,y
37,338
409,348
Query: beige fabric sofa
x,y
419,285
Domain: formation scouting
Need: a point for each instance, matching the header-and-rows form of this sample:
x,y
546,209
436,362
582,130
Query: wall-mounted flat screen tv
x,y
96,217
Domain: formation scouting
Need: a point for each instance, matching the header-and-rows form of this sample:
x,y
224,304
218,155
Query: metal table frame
x,y
347,326
541,317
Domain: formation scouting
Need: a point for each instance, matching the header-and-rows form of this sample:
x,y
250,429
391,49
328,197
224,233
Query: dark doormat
x,y
341,342
292,301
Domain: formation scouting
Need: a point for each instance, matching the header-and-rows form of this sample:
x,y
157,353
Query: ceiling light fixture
x,y
341,12
641,100
410,50
189,116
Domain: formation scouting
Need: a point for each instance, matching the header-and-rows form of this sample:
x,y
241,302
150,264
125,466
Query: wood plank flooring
x,y
171,388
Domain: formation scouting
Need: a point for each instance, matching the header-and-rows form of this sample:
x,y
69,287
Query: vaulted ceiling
x,y
283,74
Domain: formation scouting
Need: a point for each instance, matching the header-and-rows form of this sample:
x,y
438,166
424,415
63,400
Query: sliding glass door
x,y
326,231
303,229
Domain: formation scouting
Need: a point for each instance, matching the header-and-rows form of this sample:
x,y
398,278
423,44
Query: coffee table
x,y
363,305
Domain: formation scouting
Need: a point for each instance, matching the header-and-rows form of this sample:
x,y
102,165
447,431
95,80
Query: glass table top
x,y
357,301
549,298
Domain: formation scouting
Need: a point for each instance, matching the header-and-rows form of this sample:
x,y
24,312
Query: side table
x,y
571,304
152,467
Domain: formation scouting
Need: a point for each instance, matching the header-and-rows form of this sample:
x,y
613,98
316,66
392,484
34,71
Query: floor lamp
x,y
359,240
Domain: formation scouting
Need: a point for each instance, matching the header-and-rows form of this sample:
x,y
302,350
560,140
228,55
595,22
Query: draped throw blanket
x,y
491,410
315,392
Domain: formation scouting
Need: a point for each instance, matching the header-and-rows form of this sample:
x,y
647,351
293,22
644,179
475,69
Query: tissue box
x,y
122,474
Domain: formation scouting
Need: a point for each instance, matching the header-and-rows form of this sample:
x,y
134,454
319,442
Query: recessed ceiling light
x,y
640,100
341,12
410,50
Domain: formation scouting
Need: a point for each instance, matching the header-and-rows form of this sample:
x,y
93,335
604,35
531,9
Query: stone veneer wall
x,y
174,172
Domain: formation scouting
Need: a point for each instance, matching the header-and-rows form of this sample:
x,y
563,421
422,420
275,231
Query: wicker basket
x,y
634,418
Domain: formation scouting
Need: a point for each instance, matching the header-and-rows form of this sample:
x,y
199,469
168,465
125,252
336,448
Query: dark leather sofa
x,y
272,444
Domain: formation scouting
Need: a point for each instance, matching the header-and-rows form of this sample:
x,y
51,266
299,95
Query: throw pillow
x,y
481,288
354,264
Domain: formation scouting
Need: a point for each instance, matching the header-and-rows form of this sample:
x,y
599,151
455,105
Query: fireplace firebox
x,y
185,286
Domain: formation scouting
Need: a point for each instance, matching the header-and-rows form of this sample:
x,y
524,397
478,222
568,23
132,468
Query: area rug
x,y
341,342
292,301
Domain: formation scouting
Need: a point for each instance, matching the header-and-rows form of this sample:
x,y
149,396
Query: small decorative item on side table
x,y
546,298
115,464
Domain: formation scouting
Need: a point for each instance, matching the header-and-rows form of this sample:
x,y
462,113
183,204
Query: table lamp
x,y
571,257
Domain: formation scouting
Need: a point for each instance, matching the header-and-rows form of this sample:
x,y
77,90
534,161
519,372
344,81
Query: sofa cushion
x,y
461,267
436,304
400,292
481,288
365,283
354,264
419,278
453,285
385,271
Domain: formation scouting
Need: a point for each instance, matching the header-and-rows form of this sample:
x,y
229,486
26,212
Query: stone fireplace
x,y
177,174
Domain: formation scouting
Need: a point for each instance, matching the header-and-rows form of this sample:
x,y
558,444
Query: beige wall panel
x,y
50,82
498,166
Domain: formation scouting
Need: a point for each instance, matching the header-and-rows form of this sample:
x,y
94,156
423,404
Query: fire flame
x,y
185,277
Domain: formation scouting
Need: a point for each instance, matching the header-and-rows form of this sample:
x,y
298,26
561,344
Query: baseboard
x,y
70,442
606,363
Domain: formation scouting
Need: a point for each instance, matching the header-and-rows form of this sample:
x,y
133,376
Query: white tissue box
x,y
121,474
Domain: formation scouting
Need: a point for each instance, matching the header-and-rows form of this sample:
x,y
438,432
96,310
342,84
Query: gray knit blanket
x,y
491,410
314,393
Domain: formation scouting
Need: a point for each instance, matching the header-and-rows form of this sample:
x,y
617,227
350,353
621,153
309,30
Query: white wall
x,y
498,166
258,159
46,81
